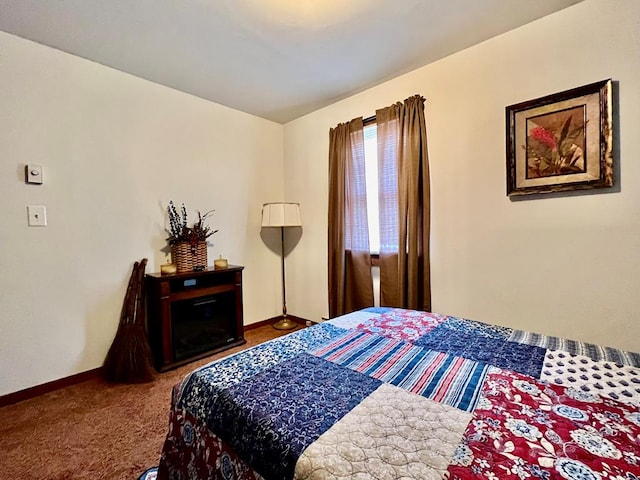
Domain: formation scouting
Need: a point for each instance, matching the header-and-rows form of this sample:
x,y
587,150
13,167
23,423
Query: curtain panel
x,y
350,280
404,186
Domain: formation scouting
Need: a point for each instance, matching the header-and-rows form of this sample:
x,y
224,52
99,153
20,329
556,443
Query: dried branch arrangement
x,y
180,231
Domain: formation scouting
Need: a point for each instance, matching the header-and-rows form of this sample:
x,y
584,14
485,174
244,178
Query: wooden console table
x,y
194,314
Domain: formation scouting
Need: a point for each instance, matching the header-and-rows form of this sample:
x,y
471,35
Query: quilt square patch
x,y
353,319
270,418
602,378
391,434
200,386
402,324
472,327
523,428
448,379
519,357
594,352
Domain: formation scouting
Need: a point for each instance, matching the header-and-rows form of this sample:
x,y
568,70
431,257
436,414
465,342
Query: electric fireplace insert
x,y
194,314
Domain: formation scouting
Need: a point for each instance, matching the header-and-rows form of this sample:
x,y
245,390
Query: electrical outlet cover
x,y
37,215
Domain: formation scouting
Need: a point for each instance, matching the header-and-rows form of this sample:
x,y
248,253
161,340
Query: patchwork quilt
x,y
399,394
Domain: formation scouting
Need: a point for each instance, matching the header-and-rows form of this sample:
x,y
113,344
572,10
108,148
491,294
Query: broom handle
x,y
131,312
127,298
139,313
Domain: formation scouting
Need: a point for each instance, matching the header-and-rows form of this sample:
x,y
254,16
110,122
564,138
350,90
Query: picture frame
x,y
561,142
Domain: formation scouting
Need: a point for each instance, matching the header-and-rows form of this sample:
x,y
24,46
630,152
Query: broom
x,y
129,358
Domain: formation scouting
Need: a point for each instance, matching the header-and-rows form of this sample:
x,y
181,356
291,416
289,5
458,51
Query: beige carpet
x,y
94,430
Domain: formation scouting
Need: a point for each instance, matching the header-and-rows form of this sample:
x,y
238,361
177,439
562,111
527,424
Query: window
x,y
371,169
382,193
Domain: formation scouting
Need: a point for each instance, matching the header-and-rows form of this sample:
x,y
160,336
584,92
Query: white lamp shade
x,y
281,215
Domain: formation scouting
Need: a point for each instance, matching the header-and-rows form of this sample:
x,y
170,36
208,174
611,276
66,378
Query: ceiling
x,y
277,59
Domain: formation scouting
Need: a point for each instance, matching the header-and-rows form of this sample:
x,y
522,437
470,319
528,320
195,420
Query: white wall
x,y
563,266
115,150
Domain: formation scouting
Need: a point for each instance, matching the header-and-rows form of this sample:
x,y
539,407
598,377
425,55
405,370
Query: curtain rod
x,y
369,120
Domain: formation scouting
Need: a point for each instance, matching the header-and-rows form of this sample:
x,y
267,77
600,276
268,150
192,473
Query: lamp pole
x,y
282,215
285,323
284,283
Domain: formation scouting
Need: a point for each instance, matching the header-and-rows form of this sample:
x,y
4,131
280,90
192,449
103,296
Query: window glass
x,y
371,168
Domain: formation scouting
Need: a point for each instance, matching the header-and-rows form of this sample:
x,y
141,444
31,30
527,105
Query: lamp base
x,y
285,324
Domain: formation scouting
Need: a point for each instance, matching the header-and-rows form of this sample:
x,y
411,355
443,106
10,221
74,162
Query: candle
x,y
220,262
168,269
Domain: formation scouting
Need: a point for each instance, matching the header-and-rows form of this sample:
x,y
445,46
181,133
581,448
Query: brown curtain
x,y
350,282
403,167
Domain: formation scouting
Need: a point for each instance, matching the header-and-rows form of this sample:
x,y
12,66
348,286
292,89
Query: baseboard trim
x,y
48,387
54,385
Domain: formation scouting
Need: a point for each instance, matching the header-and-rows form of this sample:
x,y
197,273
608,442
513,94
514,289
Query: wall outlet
x,y
37,215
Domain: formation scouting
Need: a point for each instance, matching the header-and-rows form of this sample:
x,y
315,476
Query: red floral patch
x,y
399,324
524,428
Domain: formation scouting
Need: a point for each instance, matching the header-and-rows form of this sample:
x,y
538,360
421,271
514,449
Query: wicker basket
x,y
189,256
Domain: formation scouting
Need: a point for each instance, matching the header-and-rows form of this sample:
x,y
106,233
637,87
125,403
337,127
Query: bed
x,y
390,393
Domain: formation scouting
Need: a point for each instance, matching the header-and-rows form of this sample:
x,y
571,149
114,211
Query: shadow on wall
x,y
271,237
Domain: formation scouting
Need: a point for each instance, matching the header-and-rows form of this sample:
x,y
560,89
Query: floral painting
x,y
556,143
561,142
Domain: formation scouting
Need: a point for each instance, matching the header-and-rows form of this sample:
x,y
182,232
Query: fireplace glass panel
x,y
202,324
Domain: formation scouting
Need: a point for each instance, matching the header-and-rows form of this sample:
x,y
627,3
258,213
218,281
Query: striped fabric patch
x,y
441,377
594,352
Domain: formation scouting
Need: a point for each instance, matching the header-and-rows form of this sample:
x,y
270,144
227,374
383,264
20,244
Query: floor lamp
x,y
282,215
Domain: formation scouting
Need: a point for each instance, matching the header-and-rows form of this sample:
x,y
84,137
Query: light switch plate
x,y
37,215
33,174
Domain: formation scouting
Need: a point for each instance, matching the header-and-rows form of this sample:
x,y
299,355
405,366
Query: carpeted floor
x,y
95,430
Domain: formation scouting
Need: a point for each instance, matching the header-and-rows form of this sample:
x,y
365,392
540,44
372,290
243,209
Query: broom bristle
x,y
129,358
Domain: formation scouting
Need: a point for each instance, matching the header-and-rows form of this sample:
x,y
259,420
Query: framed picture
x,y
561,142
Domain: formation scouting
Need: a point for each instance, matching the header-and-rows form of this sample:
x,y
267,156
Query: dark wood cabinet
x,y
194,314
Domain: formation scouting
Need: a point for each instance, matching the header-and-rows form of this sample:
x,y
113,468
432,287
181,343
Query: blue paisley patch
x,y
473,327
272,417
493,350
201,385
